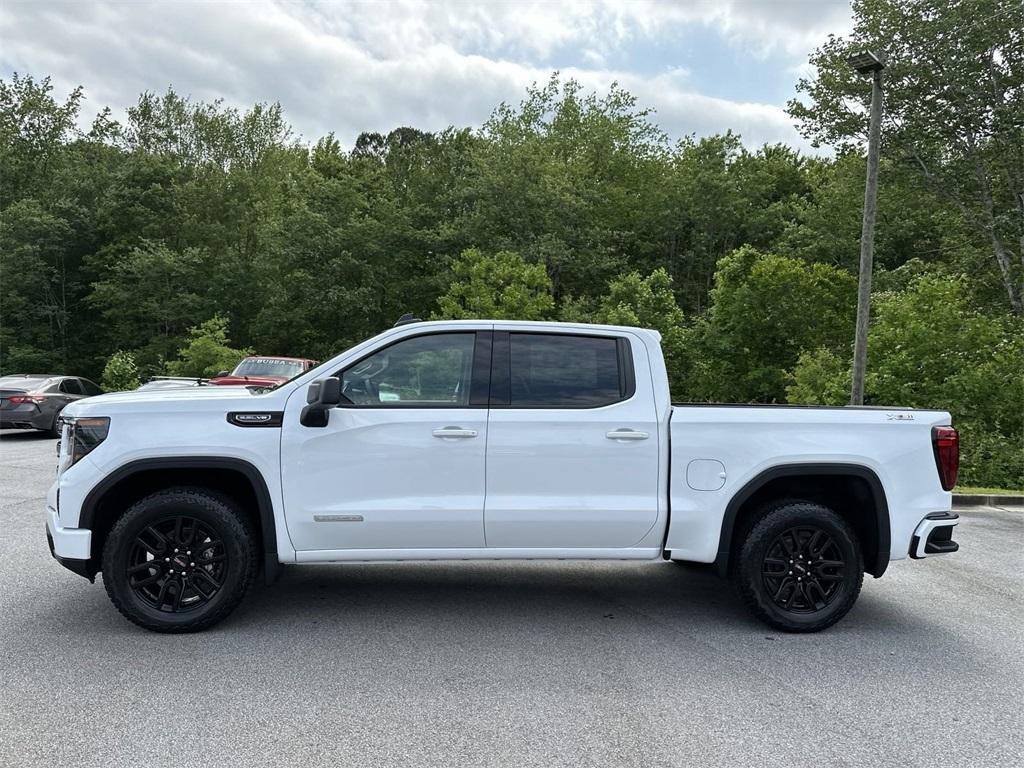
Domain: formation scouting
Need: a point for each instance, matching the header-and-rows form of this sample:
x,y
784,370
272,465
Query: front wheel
x,y
179,560
800,568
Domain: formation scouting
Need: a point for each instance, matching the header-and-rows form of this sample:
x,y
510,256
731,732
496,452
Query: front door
x,y
400,464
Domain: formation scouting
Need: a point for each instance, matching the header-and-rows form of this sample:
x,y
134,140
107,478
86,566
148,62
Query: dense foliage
x,y
193,232
120,374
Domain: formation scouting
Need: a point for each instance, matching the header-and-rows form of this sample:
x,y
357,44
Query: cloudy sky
x,y
704,66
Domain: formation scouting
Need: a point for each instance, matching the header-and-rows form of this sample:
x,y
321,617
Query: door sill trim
x,y
476,553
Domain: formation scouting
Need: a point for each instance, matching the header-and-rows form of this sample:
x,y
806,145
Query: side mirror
x,y
322,395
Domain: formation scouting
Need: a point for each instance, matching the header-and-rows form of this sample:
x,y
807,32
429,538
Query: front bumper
x,y
71,547
934,535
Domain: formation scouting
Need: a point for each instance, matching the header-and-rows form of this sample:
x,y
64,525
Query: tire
x,y
179,560
793,596
54,430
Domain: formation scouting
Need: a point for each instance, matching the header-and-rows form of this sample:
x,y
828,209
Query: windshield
x,y
267,366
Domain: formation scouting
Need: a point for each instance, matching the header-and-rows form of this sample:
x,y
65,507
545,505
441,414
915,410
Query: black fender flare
x,y
264,505
883,529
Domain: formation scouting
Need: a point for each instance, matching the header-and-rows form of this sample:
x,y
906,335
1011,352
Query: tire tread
x,y
235,526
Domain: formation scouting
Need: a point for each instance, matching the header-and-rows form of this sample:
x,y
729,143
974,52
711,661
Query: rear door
x,y
70,389
572,451
91,390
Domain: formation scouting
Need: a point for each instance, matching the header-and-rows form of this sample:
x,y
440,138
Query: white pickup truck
x,y
491,440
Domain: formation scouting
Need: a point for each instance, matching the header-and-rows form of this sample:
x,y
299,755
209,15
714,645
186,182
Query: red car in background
x,y
259,371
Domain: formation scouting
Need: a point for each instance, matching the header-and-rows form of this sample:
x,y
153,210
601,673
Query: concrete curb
x,y
981,500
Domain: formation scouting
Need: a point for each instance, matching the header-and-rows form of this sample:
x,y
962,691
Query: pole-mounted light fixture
x,y
866,62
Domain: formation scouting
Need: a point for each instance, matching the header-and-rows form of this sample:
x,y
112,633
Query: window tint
x,y
430,371
90,388
549,370
71,387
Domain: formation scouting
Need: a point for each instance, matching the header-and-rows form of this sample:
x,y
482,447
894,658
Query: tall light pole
x,y
867,63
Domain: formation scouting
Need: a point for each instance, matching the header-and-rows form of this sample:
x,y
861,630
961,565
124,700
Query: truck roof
x,y
526,324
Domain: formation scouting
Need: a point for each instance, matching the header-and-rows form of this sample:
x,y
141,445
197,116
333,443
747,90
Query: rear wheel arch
x,y
234,478
851,490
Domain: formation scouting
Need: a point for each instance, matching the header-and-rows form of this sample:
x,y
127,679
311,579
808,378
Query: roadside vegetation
x,y
989,491
191,232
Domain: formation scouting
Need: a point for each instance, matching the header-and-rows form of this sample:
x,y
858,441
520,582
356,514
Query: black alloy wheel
x,y
799,566
803,569
177,564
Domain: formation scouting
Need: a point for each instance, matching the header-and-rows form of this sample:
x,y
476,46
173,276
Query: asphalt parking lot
x,y
525,664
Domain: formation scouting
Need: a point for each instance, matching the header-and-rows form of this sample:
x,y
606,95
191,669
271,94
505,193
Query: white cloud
x,y
373,66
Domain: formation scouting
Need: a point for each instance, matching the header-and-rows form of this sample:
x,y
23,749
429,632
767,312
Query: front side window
x,y
554,371
428,371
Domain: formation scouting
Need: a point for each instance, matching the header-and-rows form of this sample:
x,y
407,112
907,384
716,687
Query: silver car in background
x,y
35,400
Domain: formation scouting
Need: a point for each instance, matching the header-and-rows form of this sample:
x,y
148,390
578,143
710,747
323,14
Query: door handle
x,y
626,434
454,432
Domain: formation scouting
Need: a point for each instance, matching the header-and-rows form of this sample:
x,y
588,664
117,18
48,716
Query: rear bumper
x,y
12,418
934,535
71,547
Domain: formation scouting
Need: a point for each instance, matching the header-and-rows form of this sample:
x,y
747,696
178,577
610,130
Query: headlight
x,y
80,435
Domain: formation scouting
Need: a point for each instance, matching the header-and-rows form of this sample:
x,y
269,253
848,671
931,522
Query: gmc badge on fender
x,y
255,418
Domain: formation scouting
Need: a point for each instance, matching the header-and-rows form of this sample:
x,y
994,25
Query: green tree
x,y
642,302
929,347
721,196
151,294
820,377
120,373
208,351
500,286
766,309
954,100
34,130
51,174
569,179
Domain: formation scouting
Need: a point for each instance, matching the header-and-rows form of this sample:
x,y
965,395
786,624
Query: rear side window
x,y
561,371
90,388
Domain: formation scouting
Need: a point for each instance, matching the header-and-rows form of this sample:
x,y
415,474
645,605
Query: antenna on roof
x,y
407,318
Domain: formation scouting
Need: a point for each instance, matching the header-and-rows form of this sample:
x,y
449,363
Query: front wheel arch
x,y
235,478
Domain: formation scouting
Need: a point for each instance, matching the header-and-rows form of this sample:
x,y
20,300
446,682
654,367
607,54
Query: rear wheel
x,y
54,430
800,567
179,560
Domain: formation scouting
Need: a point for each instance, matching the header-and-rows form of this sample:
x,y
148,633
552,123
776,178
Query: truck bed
x,y
718,453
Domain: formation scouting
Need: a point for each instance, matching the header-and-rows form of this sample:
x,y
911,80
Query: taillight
x,y
26,399
946,443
